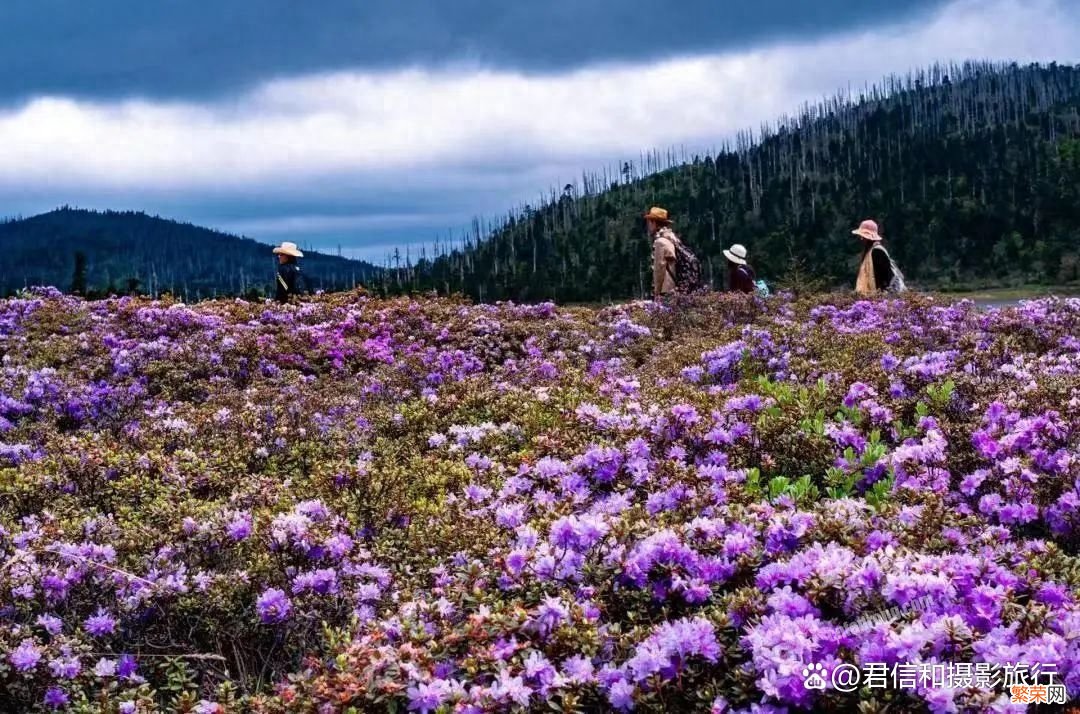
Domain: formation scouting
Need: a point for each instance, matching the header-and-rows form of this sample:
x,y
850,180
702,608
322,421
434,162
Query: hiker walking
x,y
878,272
675,269
741,276
658,226
288,272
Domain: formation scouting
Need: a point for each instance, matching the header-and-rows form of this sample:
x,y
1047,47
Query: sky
x,y
375,124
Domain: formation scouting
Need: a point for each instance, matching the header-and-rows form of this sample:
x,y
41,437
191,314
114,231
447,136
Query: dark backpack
x,y
897,284
687,274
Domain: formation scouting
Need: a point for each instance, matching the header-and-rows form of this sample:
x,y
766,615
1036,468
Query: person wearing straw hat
x,y
658,225
740,274
288,272
877,270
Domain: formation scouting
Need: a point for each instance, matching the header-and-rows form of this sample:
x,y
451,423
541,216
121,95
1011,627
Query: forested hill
x,y
973,173
128,252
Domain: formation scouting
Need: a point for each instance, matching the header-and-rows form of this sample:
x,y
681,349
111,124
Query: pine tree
x,y
78,277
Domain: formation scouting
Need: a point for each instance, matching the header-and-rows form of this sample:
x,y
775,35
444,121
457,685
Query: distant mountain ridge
x,y
155,255
973,172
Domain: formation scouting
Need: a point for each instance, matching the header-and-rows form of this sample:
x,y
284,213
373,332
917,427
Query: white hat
x,y
736,254
288,248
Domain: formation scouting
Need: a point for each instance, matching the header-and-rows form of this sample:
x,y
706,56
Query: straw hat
x,y
868,230
657,214
736,254
288,248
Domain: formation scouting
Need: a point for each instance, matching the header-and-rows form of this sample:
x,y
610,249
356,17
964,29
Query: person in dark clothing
x,y
883,272
288,272
877,271
740,274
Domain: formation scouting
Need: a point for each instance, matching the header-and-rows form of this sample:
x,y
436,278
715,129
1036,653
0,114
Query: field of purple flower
x,y
429,506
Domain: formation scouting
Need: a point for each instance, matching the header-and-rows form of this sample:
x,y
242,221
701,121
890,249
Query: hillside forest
x,y
100,253
972,172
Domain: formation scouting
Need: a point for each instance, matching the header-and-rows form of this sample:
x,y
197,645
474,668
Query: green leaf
x,y
753,482
941,394
879,493
804,489
778,486
873,454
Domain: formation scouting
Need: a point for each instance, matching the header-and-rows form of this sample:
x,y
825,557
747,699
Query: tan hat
x,y
657,214
288,248
867,229
736,254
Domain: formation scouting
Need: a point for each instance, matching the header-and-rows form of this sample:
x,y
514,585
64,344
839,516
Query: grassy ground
x,y
1013,293
984,295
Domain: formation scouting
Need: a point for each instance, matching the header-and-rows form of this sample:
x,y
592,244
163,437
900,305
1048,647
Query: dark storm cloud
x,y
418,117
181,48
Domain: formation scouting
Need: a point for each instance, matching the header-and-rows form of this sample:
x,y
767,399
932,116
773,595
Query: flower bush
x,y
425,505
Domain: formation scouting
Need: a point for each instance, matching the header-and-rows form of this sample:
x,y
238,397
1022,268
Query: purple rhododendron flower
x,y
427,697
25,657
239,526
105,668
100,624
667,649
52,624
512,689
578,670
551,613
126,667
65,667
621,695
273,606
55,698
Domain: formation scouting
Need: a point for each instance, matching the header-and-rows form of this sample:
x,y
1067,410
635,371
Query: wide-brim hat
x,y
657,214
867,230
736,254
288,248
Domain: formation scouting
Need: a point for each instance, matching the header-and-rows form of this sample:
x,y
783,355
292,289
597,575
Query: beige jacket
x,y
865,283
664,261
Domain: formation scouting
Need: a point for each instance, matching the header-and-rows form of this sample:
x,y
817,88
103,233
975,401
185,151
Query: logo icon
x,y
1038,694
814,676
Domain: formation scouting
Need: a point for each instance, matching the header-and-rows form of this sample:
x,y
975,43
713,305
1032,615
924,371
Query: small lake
x,y
997,303
987,301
